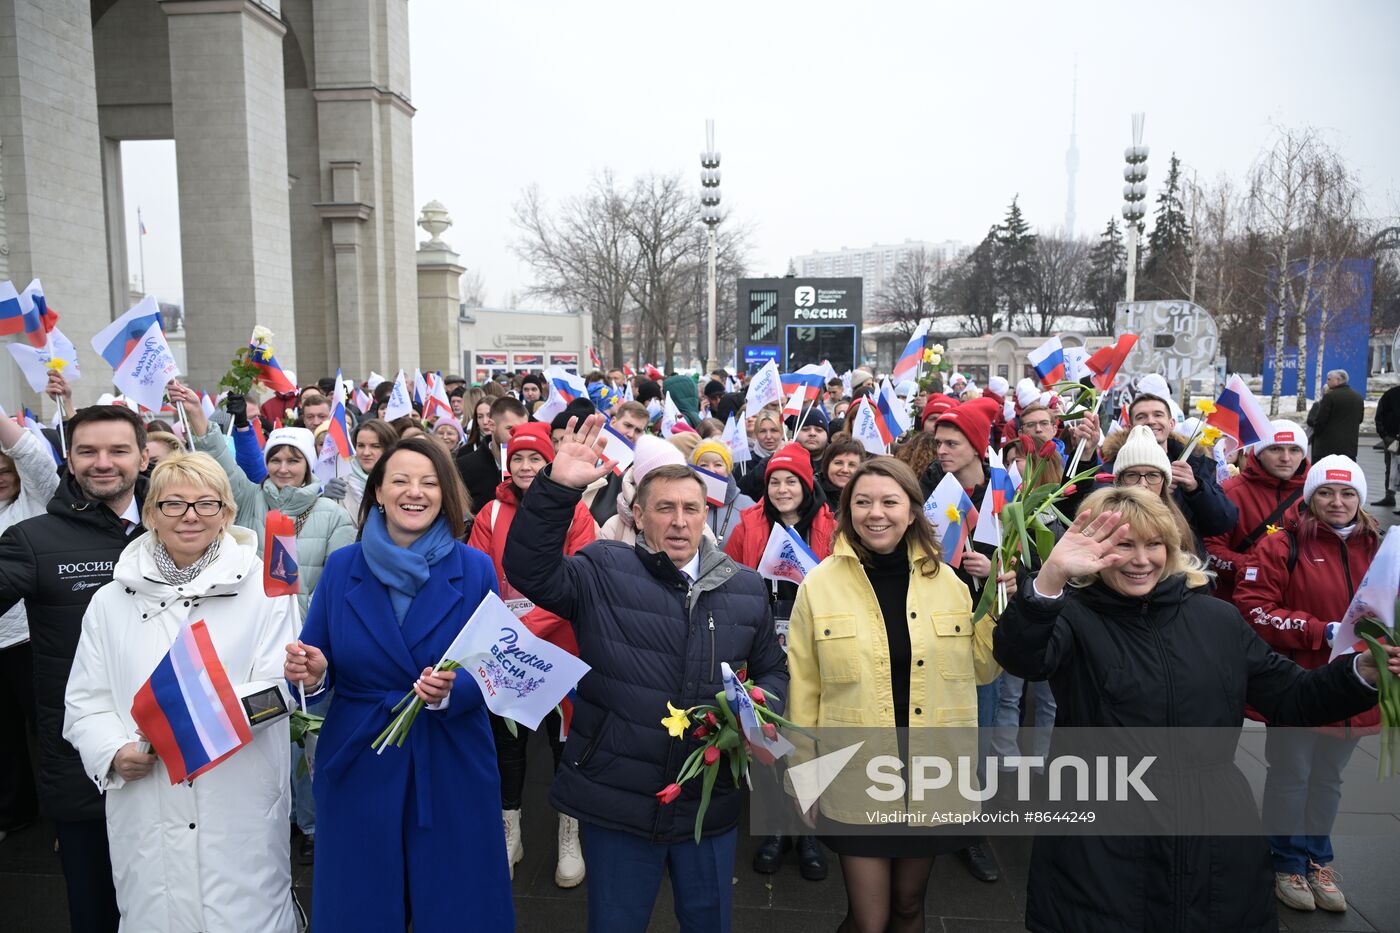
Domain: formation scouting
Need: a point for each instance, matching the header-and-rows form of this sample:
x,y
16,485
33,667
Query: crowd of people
x,y
1181,591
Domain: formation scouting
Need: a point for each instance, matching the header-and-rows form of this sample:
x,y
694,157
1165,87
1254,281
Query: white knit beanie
x,y
1141,450
1285,432
1335,470
651,452
299,438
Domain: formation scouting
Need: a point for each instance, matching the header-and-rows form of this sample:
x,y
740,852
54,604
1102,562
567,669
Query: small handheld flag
x,y
134,344
187,708
270,372
737,439
764,388
951,513
618,449
399,405
909,359
1106,362
281,574
716,486
1239,414
1048,361
786,556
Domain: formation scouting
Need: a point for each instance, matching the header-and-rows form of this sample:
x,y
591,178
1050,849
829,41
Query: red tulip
x,y
770,731
711,756
668,793
1069,490
711,721
1103,477
1048,450
742,674
757,696
699,732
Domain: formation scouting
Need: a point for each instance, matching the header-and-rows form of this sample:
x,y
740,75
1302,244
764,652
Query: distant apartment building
x,y
875,263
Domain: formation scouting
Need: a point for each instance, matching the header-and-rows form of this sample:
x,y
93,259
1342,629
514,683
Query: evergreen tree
x,y
1015,272
1108,272
970,289
1168,242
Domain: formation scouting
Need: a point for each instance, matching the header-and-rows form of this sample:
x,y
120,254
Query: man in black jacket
x,y
1336,418
1388,427
55,563
654,622
480,469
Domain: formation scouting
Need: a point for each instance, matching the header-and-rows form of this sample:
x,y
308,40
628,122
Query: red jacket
x,y
489,532
1290,610
748,539
1256,494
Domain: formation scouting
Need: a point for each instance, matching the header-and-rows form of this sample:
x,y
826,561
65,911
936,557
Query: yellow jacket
x,y
839,659
840,682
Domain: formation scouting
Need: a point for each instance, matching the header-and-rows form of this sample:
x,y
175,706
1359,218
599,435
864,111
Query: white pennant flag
x,y
619,448
737,439
670,414
786,556
327,461
35,363
399,403
861,422
765,387
521,676
1375,597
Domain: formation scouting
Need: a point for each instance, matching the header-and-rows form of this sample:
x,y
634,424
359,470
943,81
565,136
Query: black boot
x,y
769,857
811,860
981,861
1388,500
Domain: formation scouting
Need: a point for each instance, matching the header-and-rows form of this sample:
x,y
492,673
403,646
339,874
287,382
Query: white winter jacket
x,y
210,855
38,478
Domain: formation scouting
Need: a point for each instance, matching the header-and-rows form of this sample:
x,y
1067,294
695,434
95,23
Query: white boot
x,y
568,873
515,843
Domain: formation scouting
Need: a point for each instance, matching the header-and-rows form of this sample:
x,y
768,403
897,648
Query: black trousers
x,y
18,805
511,751
87,874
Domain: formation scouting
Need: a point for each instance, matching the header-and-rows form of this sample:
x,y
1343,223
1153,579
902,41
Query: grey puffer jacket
x,y
326,529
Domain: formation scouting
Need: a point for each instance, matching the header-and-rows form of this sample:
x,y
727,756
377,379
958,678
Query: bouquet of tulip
x,y
740,725
1024,516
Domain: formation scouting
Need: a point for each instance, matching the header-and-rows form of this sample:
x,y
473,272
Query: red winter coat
x,y
1256,493
1290,610
489,532
746,542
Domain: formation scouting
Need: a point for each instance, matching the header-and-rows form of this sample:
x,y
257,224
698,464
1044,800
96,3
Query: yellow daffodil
x,y
953,514
1272,529
677,722
1205,407
1209,435
56,365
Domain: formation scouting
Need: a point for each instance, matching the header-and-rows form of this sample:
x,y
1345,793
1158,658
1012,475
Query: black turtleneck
x,y
889,578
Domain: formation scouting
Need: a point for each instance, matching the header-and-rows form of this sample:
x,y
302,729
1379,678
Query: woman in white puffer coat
x,y
210,854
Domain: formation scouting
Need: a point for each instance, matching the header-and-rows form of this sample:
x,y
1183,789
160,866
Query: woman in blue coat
x,y
413,833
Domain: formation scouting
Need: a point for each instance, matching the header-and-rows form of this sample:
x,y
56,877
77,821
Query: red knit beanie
x,y
974,419
795,459
532,435
937,404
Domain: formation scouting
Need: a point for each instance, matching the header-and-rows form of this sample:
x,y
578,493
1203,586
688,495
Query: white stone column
x,y
51,214
231,152
439,295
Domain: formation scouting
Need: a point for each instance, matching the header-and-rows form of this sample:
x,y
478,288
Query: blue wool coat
x,y
429,812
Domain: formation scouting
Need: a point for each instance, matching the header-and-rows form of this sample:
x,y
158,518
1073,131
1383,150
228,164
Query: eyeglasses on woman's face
x,y
1152,478
176,508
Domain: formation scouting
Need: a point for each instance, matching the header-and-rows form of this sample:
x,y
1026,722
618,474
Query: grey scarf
x,y
176,576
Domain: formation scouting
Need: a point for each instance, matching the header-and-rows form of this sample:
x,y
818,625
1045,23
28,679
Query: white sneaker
x,y
568,873
1294,891
515,843
1323,882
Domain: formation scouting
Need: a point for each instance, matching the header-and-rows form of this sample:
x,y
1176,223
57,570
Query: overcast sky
x,y
847,124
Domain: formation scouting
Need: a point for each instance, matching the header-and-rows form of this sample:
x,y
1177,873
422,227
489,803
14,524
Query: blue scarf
x,y
403,571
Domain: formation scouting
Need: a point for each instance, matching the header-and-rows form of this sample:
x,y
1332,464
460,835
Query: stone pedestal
x,y
229,118
439,294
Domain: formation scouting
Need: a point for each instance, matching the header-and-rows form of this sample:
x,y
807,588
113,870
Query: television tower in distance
x,y
1072,156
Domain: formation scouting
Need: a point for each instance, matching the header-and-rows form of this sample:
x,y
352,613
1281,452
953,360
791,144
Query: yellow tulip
x,y
677,722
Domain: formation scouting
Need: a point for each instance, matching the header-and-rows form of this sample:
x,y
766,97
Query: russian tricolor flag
x,y
949,509
122,335
26,313
1048,361
810,384
786,556
1000,488
892,414
188,710
1239,414
270,371
908,363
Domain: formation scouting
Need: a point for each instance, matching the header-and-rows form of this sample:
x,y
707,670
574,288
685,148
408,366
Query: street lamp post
x,y
710,217
1134,198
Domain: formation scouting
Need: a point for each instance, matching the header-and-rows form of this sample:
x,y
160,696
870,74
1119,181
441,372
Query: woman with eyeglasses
x,y
209,854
